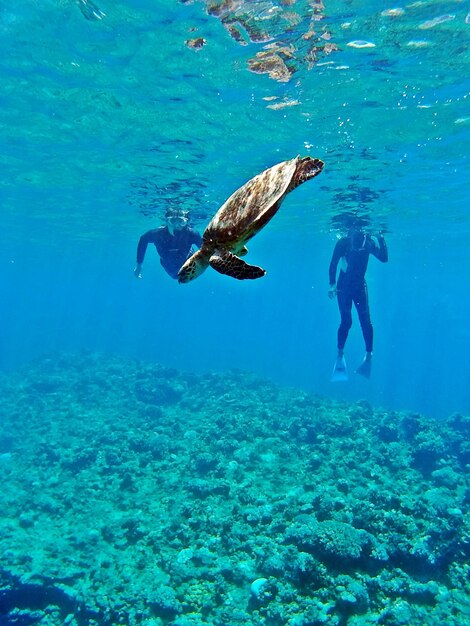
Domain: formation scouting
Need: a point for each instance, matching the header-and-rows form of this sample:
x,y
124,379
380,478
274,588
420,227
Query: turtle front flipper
x,y
227,263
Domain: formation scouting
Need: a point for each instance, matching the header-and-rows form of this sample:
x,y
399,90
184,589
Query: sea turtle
x,y
242,216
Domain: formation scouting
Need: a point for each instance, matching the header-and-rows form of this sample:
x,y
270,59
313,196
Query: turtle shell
x,y
250,207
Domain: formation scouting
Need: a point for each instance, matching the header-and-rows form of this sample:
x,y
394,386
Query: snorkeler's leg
x,y
345,305
361,302
340,371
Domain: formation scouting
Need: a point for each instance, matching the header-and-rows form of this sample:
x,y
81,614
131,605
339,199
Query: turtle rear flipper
x,y
193,267
227,263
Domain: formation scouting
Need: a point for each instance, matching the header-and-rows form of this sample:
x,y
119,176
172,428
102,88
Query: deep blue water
x,y
105,123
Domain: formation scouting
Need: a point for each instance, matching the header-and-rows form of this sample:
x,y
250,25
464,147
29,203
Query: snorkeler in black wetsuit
x,y
354,251
174,243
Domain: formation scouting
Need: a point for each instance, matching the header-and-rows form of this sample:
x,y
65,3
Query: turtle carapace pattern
x,y
243,215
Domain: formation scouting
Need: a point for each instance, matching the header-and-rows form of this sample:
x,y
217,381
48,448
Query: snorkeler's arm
x,y
148,237
138,270
379,251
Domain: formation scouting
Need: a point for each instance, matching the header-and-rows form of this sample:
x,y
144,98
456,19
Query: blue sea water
x,y
108,118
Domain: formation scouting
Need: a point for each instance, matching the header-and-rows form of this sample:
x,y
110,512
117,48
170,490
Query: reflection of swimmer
x,y
354,251
174,243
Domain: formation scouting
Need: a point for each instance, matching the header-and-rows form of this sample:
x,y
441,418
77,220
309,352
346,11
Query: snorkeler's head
x,y
176,220
357,237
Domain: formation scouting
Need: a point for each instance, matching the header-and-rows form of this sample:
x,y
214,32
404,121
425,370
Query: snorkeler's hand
x,y
138,270
332,292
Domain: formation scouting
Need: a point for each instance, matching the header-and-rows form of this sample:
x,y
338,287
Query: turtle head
x,y
193,267
306,169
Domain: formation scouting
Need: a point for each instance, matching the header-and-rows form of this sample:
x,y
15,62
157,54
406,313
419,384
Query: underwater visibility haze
x,y
177,454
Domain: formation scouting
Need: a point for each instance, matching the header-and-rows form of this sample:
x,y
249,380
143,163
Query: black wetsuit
x,y
173,249
351,286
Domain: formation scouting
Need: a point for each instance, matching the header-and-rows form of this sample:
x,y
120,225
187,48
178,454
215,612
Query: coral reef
x,y
137,494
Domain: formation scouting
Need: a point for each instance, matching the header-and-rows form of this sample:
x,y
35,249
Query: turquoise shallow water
x,y
108,122
110,115
121,103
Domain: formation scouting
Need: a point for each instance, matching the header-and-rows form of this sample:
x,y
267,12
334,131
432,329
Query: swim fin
x,y
340,371
365,367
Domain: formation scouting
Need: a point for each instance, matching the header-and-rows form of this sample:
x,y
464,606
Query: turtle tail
x,y
306,169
